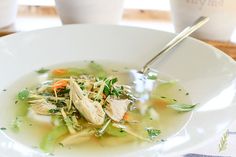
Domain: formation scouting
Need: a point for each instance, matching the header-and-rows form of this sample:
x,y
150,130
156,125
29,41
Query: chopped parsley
x,y
3,128
23,94
15,126
54,110
61,144
153,133
42,71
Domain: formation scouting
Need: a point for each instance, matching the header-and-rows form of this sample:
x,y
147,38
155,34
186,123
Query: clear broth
x,y
32,132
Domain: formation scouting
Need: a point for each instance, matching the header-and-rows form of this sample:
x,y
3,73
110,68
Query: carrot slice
x,y
59,71
162,103
59,85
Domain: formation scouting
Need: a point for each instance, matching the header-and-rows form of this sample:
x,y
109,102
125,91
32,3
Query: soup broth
x,y
33,128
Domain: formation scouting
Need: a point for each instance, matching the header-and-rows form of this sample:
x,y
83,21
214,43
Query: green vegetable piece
x,y
153,133
50,140
23,94
56,119
167,84
42,71
114,131
76,72
97,69
182,107
22,108
68,122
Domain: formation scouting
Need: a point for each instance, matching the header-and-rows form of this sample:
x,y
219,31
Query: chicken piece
x,y
116,109
91,110
41,106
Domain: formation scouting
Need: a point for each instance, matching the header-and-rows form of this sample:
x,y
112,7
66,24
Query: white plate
x,y
207,73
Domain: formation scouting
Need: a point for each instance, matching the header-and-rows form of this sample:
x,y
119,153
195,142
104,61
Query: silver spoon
x,y
176,40
140,85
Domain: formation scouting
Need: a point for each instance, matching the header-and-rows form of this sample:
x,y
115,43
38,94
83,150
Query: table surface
x,y
39,17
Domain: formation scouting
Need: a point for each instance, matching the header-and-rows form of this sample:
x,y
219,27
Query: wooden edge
x,y
129,14
228,47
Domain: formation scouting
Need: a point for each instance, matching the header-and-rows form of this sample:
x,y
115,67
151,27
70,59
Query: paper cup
x,y
222,15
90,11
8,11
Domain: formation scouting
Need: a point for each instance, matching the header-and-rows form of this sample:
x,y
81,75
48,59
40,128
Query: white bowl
x,y
207,73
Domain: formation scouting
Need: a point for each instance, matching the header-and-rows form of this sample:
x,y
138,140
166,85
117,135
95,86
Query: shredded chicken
x,y
116,109
41,106
91,110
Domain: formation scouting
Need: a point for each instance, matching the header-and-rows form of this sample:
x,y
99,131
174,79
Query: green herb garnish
x,y
42,71
61,144
109,90
114,80
15,126
3,128
153,133
54,110
182,107
106,90
23,94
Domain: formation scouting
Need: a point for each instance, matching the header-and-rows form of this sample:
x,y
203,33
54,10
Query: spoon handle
x,y
177,39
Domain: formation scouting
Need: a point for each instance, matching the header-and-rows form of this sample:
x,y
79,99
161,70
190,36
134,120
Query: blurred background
x,y
165,15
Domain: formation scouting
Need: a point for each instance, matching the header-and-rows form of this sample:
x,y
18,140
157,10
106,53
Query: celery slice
x,y
48,142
